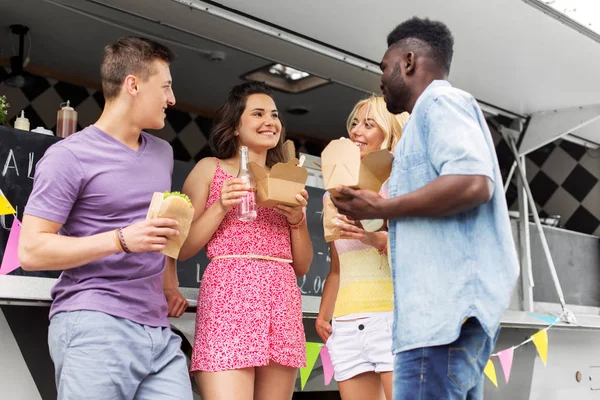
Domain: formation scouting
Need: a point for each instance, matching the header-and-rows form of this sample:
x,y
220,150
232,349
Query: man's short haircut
x,y
130,55
434,34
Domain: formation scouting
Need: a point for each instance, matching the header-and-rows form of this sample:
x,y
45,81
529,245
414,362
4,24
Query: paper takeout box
x,y
341,166
330,231
183,215
282,183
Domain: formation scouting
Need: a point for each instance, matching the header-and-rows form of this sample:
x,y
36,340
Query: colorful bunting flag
x,y
10,260
5,207
540,340
490,372
312,353
506,360
327,365
550,320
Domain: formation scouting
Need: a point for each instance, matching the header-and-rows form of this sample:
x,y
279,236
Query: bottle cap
x,y
43,131
67,106
22,116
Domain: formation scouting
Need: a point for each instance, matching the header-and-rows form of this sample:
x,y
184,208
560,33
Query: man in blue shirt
x,y
453,258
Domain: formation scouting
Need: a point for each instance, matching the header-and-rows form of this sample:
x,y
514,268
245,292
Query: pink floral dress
x,y
249,310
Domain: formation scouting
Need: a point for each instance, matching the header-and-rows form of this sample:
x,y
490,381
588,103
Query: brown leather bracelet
x,y
122,241
118,241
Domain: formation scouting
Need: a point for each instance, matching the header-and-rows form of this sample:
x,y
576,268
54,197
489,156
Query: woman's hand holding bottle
x,y
232,193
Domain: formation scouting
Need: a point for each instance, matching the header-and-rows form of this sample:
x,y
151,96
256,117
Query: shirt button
x,y
361,327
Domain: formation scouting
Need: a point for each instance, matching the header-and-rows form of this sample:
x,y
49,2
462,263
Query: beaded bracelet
x,y
297,226
122,240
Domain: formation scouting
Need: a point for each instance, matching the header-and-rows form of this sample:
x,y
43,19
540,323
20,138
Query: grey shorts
x,y
98,356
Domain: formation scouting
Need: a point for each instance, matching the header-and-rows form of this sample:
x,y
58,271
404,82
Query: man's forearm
x,y
446,195
170,279
53,252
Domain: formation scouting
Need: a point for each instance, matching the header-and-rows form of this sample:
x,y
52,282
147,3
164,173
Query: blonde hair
x,y
390,124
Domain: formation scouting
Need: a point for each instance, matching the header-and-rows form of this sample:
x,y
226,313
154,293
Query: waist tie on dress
x,y
253,256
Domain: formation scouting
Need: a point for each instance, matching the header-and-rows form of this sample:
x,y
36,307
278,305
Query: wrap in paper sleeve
x,y
175,206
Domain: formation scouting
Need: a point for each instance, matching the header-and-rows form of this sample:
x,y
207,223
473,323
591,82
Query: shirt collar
x,y
434,84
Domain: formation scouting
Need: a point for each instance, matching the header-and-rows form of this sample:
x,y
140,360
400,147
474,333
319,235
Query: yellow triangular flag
x,y
540,340
312,353
490,372
5,207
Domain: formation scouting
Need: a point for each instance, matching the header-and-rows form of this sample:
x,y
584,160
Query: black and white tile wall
x,y
564,177
564,180
187,133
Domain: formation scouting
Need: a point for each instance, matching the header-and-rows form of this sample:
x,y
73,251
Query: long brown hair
x,y
223,141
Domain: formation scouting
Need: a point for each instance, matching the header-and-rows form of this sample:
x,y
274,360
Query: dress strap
x,y
218,165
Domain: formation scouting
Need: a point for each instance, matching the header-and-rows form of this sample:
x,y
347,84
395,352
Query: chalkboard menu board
x,y
20,151
312,283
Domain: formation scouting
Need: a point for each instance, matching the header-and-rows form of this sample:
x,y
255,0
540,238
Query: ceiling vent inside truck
x,y
285,78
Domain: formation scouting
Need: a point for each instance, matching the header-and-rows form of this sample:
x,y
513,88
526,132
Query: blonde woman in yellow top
x,y
358,297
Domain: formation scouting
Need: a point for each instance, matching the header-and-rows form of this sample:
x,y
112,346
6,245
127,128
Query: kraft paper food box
x,y
282,183
341,166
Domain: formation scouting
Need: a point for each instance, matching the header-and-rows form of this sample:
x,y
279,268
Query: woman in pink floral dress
x,y
249,336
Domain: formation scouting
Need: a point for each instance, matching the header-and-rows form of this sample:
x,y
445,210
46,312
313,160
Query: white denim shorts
x,y
360,346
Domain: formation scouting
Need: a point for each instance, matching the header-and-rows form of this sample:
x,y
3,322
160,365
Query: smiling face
x,y
259,127
365,133
153,96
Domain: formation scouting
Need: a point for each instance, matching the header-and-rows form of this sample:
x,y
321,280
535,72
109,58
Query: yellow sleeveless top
x,y
365,279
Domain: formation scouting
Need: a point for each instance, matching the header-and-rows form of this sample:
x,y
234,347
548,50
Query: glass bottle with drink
x,y
247,208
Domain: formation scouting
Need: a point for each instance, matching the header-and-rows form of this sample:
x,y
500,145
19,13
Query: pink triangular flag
x,y
10,261
327,365
506,360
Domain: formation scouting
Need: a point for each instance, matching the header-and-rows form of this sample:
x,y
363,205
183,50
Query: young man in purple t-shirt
x,y
109,336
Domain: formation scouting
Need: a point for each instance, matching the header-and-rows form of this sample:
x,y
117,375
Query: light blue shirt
x,y
446,269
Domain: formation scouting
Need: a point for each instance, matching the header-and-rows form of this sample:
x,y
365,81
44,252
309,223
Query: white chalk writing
x,y
6,220
30,167
7,164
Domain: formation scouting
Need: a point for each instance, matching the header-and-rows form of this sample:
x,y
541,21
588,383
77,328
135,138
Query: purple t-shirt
x,y
92,183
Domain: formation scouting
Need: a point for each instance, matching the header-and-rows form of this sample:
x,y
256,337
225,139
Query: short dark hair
x,y
128,56
434,33
222,140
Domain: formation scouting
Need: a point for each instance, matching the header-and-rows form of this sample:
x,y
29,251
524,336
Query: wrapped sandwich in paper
x,y
177,206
